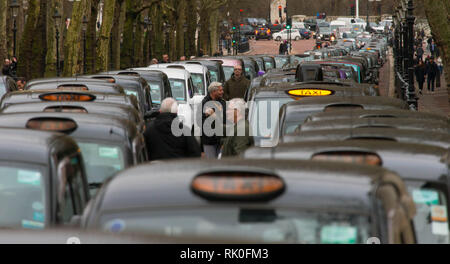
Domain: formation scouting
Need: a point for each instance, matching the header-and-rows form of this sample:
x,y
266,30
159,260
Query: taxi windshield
x,y
102,161
214,76
155,92
431,219
22,197
197,79
228,71
178,89
264,117
281,61
132,92
269,65
262,225
2,88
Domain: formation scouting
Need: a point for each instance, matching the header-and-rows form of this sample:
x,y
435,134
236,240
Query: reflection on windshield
x,y
101,161
178,89
22,197
197,79
155,92
214,76
228,71
431,219
270,226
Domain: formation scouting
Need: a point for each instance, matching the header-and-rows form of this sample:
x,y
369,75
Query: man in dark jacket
x,y
160,139
432,71
237,85
420,74
213,120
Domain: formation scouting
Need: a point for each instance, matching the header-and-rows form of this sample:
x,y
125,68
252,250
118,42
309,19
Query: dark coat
x,y
420,73
236,144
162,144
432,70
235,88
221,108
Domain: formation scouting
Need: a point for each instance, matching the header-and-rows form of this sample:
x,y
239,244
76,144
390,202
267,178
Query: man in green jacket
x,y
237,85
239,136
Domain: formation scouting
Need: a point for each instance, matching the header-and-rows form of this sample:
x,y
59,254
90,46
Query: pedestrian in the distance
x,y
154,61
237,85
432,71
160,140
213,120
165,59
6,69
420,74
13,67
419,53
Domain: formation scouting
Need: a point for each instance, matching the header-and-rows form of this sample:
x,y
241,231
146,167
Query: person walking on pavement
x,y
433,49
160,140
420,74
6,70
213,120
237,85
239,136
165,59
432,71
419,52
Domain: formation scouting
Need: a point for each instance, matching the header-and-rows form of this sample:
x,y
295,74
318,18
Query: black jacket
x,y
420,73
163,144
215,139
432,69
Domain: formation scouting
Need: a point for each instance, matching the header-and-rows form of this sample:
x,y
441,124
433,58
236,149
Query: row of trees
x,y
118,33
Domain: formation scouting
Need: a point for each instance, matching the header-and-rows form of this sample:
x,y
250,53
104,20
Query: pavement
x,y
264,46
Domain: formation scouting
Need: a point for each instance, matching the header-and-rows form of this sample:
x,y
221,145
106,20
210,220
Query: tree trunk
x,y
50,60
72,47
438,14
180,29
213,36
157,32
127,51
39,50
3,36
103,50
192,27
119,18
24,67
91,37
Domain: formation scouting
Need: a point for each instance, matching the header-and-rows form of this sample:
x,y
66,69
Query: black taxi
x,y
399,123
272,202
61,79
118,110
389,113
265,102
43,181
295,113
108,144
68,96
423,168
101,87
372,133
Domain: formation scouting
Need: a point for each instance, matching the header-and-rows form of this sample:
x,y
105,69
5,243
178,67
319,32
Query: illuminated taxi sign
x,y
108,79
350,157
310,92
67,97
238,186
52,124
72,88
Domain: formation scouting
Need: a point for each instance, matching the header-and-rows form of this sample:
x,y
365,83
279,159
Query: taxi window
x,y
155,91
101,161
132,92
269,65
431,219
197,79
2,88
22,197
228,71
178,89
264,116
263,225
214,76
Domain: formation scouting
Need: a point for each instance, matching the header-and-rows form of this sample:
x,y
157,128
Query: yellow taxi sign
x,y
237,186
350,157
310,92
51,124
67,97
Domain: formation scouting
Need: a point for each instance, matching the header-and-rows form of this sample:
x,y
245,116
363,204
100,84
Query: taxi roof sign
x,y
310,92
238,186
67,97
355,157
72,87
52,124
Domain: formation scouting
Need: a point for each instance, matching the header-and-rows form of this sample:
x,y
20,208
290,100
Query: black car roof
x,y
30,146
96,108
149,73
411,161
400,135
401,123
168,184
63,79
391,113
91,86
368,102
280,89
89,126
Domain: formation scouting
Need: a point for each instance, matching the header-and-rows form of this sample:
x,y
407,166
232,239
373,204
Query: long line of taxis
x,y
333,162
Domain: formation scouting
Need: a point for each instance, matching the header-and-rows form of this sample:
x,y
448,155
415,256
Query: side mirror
x,y
151,114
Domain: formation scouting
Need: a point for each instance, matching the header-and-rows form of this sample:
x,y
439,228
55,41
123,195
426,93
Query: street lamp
x,y
85,24
57,18
14,6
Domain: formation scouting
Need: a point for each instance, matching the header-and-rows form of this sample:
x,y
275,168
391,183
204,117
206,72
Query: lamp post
x,y
145,23
57,18
14,6
85,24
